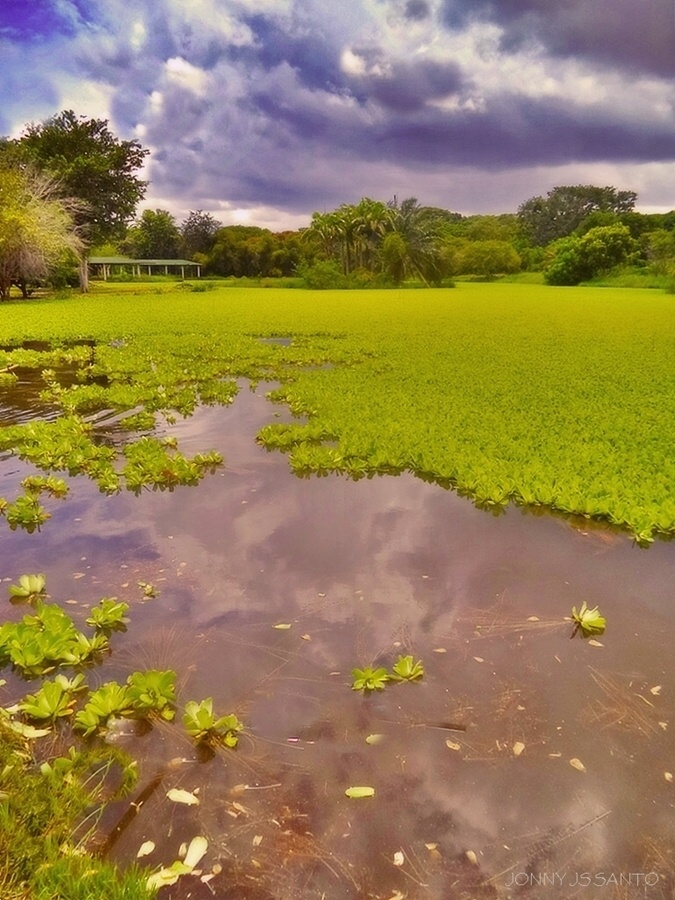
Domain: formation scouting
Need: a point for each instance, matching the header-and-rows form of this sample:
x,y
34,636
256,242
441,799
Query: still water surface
x,y
364,572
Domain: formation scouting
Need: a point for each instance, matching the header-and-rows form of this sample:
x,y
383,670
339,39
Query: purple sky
x,y
262,111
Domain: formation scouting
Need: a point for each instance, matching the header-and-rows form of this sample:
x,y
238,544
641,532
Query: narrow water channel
x,y
523,764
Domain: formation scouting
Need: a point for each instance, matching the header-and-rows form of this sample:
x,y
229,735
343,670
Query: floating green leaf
x,y
360,793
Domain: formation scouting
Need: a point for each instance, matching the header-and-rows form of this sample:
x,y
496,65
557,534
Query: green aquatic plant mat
x,y
523,393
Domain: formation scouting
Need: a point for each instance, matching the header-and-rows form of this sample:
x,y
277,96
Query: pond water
x,y
475,794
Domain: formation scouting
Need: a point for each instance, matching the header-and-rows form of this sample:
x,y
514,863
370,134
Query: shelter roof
x,y
128,261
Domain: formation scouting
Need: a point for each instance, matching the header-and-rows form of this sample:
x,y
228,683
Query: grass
x,y
559,397
40,855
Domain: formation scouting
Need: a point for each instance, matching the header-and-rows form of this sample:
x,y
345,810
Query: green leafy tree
x,y
92,165
198,233
575,259
37,228
488,258
660,251
491,228
546,219
154,236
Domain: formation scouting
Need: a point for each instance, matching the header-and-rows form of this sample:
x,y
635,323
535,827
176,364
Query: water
x,y
364,572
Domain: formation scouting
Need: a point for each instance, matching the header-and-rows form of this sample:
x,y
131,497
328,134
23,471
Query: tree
x,y
564,208
420,228
574,259
660,251
37,228
488,258
394,255
198,233
154,236
92,165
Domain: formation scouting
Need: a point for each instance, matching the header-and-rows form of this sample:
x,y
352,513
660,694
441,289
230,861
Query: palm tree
x,y
418,228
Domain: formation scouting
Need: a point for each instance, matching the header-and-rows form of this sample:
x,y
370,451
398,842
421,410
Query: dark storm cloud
x,y
417,10
628,34
517,133
304,104
401,86
311,53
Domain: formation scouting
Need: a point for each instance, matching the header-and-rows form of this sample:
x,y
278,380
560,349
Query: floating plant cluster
x,y
555,398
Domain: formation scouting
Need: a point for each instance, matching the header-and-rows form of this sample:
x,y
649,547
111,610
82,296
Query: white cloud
x,y
186,75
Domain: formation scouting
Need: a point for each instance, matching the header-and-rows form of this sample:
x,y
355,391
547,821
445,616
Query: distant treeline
x,y
575,233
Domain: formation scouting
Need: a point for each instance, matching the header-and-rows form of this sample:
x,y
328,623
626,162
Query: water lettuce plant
x,y
54,699
369,679
29,588
202,724
588,621
153,692
110,700
406,669
109,615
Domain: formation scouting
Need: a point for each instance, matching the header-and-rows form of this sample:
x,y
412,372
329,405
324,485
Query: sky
x,y
263,111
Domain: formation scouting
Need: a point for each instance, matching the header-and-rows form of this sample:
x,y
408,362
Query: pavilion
x,y
105,266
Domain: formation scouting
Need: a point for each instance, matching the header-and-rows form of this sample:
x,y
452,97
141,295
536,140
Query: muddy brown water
x,y
362,572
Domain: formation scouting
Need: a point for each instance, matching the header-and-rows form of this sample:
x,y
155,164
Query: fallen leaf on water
x,y
359,792
180,796
168,876
257,840
452,745
518,748
471,856
374,738
399,858
195,852
663,725
306,637
656,690
479,659
440,650
282,626
431,846
668,776
577,764
206,878
145,849
594,643
555,755
533,618
397,896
